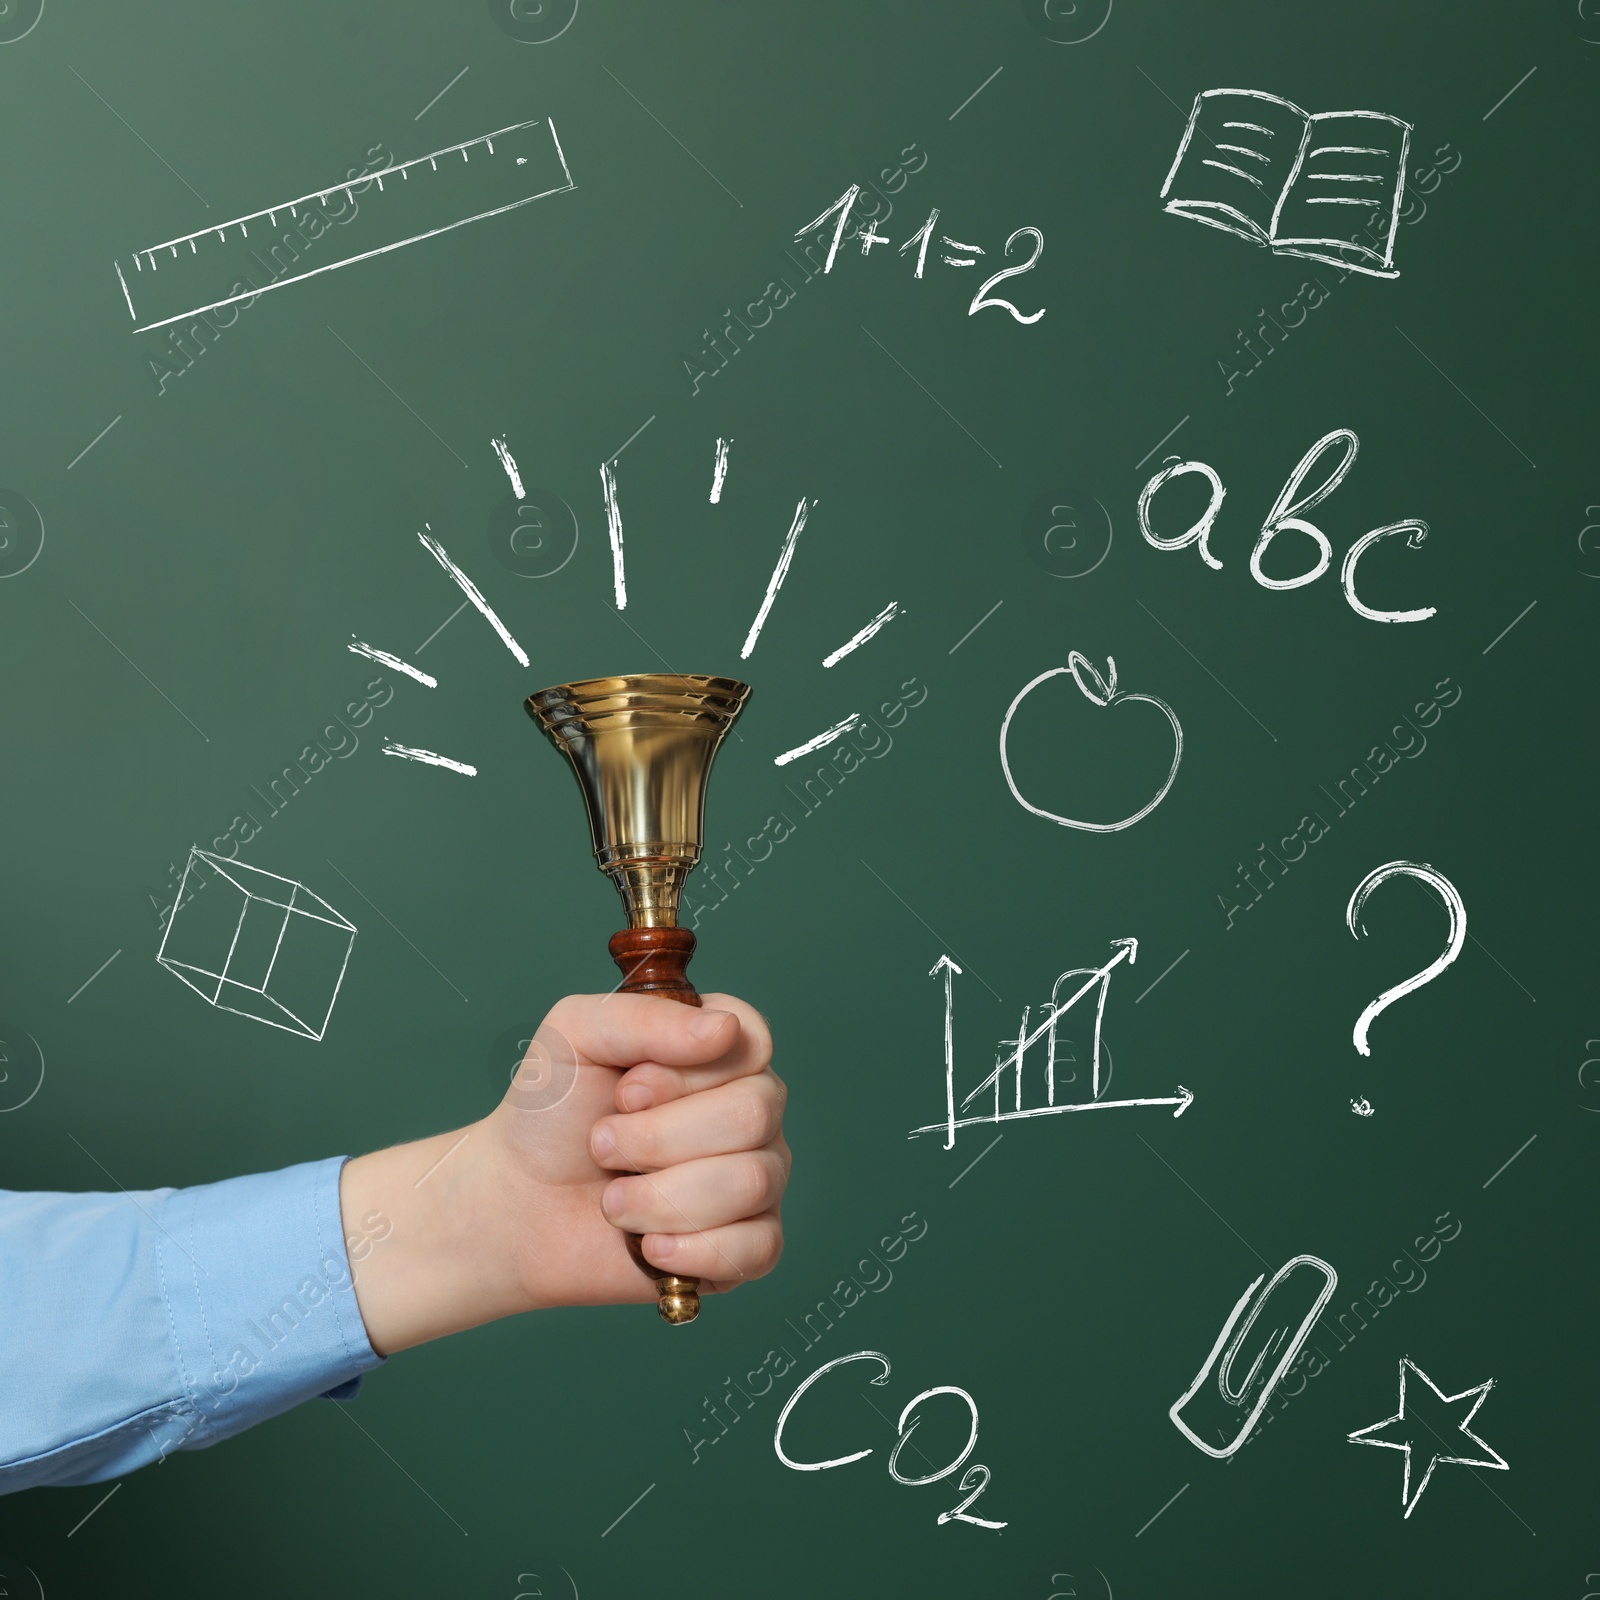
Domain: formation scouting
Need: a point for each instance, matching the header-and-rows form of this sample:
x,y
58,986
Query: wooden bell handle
x,y
653,961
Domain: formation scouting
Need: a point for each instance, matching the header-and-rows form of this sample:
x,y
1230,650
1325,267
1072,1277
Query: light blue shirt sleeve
x,y
145,1322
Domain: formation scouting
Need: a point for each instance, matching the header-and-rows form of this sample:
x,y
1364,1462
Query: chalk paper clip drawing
x,y
228,262
1326,187
259,945
1095,979
1252,1391
1406,1435
1102,692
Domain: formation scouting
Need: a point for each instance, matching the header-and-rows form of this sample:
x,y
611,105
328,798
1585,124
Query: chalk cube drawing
x,y
260,945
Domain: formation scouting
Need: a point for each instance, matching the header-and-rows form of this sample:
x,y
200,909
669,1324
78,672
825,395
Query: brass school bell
x,y
641,748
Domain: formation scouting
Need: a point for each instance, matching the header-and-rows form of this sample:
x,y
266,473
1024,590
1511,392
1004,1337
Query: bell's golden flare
x,y
641,748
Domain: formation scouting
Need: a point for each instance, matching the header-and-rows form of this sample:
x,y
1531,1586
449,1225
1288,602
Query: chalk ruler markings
x,y
166,282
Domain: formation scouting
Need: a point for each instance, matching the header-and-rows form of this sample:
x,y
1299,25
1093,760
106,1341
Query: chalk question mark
x,y
1447,892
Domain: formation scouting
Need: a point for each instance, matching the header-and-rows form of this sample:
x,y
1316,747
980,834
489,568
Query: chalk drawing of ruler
x,y
237,260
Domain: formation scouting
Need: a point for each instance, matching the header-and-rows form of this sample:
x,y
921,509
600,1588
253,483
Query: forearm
x,y
423,1226
161,1320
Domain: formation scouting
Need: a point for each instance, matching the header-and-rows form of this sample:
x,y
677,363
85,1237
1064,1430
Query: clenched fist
x,y
527,1208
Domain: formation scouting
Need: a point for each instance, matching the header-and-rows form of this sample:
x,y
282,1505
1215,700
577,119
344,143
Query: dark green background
x,y
231,533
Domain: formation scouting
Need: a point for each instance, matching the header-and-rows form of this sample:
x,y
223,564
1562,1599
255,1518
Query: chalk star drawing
x,y
260,932
1405,1430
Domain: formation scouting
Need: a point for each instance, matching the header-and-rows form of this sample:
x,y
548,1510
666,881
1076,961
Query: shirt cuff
x,y
259,1296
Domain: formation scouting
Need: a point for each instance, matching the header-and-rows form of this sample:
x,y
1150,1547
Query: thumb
x,y
623,1030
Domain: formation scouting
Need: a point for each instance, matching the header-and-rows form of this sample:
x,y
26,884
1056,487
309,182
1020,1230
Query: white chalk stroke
x,y
1415,531
1013,1051
842,205
1327,187
1447,892
1103,692
920,238
1199,531
1286,517
779,573
384,658
966,256
973,1481
856,640
719,469
837,731
474,594
508,461
1361,1107
259,945
608,491
982,297
1253,1390
238,260
1404,1435
428,757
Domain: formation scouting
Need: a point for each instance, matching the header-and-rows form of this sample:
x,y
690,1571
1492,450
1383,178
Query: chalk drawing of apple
x,y
1103,692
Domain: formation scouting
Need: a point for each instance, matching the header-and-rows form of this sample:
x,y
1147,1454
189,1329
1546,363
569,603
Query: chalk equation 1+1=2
x,y
955,253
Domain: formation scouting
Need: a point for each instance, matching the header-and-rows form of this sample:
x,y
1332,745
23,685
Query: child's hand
x,y
526,1210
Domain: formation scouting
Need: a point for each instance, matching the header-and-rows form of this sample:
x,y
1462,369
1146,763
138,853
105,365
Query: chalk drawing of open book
x,y
1328,187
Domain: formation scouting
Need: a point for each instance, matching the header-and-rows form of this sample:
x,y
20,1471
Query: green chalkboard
x,y
216,462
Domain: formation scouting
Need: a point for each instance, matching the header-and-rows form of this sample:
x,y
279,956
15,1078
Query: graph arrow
x,y
1182,1100
949,1124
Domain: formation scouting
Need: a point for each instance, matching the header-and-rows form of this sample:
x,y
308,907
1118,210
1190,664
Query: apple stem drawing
x,y
1103,692
1447,892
